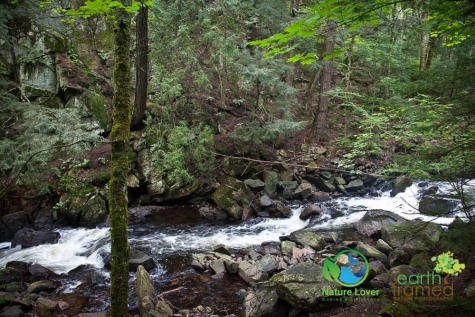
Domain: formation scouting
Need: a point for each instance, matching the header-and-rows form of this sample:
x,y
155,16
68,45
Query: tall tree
x,y
141,65
119,137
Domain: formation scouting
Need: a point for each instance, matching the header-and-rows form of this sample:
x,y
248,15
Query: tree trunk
x,y
119,165
141,66
425,36
308,97
430,55
320,117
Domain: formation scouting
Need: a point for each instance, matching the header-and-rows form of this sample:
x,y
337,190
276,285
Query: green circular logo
x,y
348,268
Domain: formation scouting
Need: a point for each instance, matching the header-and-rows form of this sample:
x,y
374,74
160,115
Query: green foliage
x,y
447,264
180,151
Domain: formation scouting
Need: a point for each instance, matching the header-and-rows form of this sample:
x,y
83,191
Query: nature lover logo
x,y
348,268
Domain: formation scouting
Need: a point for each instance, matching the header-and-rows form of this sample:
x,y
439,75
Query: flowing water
x,y
173,233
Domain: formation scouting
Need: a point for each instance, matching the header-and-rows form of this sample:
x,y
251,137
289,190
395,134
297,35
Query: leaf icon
x,y
331,271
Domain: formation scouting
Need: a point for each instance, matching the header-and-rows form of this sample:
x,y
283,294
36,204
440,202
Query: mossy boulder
x,y
99,108
307,238
232,196
400,184
412,236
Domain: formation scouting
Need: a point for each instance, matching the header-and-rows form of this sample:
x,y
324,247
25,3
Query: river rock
x,y
370,252
267,264
260,300
256,185
28,238
435,206
301,285
380,281
307,238
42,286
12,311
138,258
218,266
283,209
398,257
371,223
231,196
265,201
412,236
321,196
270,180
148,302
287,246
382,246
251,273
287,184
376,268
309,211
400,184
11,224
303,191
320,184
401,269
422,260
221,248
355,185
46,307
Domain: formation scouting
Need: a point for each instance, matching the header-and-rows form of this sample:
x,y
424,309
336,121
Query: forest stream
x,y
171,234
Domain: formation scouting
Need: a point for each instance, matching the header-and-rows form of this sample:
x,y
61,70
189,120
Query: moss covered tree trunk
x,y
119,166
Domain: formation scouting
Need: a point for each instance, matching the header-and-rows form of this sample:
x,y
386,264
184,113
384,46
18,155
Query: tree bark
x,y
119,165
320,117
141,66
425,36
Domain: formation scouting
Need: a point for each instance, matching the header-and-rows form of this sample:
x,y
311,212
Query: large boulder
x,y
256,185
355,185
321,184
371,223
309,211
28,238
400,184
87,211
434,206
12,223
270,179
370,252
412,236
232,196
304,190
301,285
307,238
260,300
148,302
251,273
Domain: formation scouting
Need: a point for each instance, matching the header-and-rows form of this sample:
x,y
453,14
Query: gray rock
x,y
370,252
304,190
265,201
270,180
309,211
301,285
376,268
256,185
370,224
355,185
307,238
422,260
139,258
251,273
221,248
287,194
260,300
46,307
400,270
28,238
247,213
398,257
218,266
287,246
400,184
435,206
412,236
341,189
380,281
287,185
321,196
284,210
267,264
321,184
12,311
148,302
231,196
11,224
231,266
42,286
382,246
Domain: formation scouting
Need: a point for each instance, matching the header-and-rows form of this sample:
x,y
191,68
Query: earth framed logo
x,y
349,268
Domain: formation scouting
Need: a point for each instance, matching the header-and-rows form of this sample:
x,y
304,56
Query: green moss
x,y
98,106
101,178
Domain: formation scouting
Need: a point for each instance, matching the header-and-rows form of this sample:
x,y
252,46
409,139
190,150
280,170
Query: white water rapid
x,y
82,246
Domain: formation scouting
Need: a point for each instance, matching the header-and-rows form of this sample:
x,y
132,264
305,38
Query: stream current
x,y
173,233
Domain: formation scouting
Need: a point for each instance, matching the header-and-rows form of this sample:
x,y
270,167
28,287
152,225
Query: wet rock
x,y
287,184
221,248
260,300
251,273
382,246
246,213
148,302
254,255
12,311
10,275
231,266
267,264
284,210
28,238
210,212
412,236
138,258
303,191
300,253
197,265
287,194
272,248
341,189
370,252
380,281
42,286
46,307
265,201
287,246
370,224
422,260
376,268
301,285
309,211
435,206
270,180
256,185
217,266
398,257
355,185
231,196
320,184
400,184
11,224
39,271
307,238
321,196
